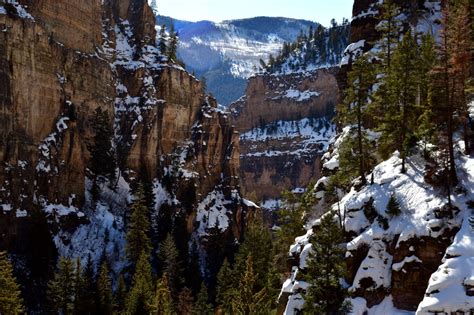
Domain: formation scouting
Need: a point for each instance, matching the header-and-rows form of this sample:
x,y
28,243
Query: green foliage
x,y
10,295
171,264
62,289
326,267
353,111
248,299
104,290
322,45
140,298
84,302
163,300
120,295
258,244
202,306
393,206
225,287
138,240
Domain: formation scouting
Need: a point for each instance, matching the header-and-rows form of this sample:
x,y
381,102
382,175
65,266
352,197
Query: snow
x,y
212,213
6,207
20,10
406,260
352,52
250,204
447,288
298,96
359,307
21,213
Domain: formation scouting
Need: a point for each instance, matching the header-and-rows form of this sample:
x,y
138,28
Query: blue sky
x,y
321,11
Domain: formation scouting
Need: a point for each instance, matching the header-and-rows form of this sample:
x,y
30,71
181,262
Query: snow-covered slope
x,y
386,261
227,53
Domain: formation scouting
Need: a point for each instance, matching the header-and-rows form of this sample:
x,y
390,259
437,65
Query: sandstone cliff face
x,y
59,61
284,122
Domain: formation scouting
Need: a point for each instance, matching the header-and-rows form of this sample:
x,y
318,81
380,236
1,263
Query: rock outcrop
x,y
284,125
59,61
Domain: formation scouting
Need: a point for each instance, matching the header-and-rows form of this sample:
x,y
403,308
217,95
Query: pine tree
x,y
104,290
10,295
460,46
353,109
389,28
401,115
185,302
169,257
173,44
225,287
162,43
62,289
140,298
247,299
138,240
202,306
120,295
102,161
258,244
393,206
163,300
326,267
85,288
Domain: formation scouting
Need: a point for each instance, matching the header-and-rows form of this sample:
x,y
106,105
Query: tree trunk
x,y
359,138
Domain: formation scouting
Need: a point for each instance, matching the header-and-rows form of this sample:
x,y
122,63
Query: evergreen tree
x,y
389,28
140,298
85,288
326,267
247,298
62,289
163,300
138,240
393,207
258,244
202,306
399,125
104,290
225,287
460,45
102,161
10,295
163,37
173,44
185,302
169,257
120,295
353,110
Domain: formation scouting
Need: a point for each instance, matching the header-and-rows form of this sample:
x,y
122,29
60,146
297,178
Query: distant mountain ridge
x,y
227,53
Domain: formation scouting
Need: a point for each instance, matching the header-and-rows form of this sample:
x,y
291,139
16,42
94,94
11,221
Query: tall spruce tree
x,y
225,287
140,297
163,303
400,116
104,291
85,288
353,110
248,299
202,305
326,267
62,289
171,265
138,239
10,295
120,295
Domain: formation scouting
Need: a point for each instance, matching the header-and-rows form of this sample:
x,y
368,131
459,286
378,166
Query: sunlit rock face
x,y
59,61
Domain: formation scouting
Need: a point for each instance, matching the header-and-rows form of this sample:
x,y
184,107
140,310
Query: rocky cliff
x,y
284,122
59,61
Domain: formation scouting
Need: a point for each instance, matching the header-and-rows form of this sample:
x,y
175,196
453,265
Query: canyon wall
x,y
59,62
284,122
